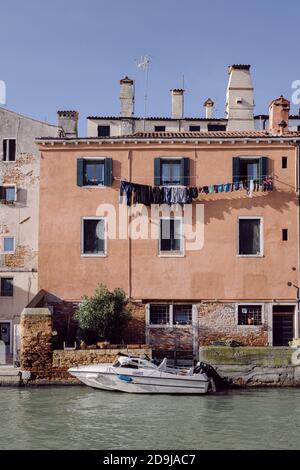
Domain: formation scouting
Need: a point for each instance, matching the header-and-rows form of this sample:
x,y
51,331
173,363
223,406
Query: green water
x,y
82,418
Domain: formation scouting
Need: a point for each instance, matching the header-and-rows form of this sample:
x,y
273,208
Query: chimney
x,y
239,99
68,122
209,108
127,97
279,116
177,103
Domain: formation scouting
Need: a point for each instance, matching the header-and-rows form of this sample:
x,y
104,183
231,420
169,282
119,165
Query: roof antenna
x,y
144,64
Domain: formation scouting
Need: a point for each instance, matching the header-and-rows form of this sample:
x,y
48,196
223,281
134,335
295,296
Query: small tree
x,y
105,313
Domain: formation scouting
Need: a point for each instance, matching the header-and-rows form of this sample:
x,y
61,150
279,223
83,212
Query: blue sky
x,y
70,54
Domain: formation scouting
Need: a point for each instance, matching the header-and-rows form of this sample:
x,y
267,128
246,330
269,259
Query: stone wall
x,y
254,366
63,360
217,321
171,338
36,338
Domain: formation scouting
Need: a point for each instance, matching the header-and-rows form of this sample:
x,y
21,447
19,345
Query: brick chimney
x,y
127,97
68,122
177,103
279,110
209,107
239,99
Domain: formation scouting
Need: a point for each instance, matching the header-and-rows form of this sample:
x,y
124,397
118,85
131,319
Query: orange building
x,y
224,267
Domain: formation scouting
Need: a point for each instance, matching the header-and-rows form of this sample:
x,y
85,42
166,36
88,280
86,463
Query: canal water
x,y
81,418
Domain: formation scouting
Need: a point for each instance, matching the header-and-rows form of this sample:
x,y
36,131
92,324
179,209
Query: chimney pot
x,y
239,99
177,103
209,107
279,115
127,97
68,122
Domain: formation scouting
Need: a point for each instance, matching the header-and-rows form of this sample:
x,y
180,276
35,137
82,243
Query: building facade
x,y
19,203
222,266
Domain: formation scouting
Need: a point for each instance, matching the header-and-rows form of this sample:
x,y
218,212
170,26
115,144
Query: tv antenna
x,y
144,63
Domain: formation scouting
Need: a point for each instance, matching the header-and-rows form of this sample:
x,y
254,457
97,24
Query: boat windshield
x,y
133,363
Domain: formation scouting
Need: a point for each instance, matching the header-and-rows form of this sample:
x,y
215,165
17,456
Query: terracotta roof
x,y
156,118
207,134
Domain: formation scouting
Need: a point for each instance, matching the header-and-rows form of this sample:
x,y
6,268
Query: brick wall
x,y
171,338
217,322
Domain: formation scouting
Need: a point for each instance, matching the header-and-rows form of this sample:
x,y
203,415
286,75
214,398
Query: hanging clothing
x,y
126,192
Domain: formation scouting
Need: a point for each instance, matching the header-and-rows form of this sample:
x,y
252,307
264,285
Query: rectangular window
x,y
9,150
216,127
8,193
159,128
159,315
249,315
249,237
182,314
171,236
194,128
7,288
250,168
93,237
103,131
170,172
93,173
285,234
284,162
8,244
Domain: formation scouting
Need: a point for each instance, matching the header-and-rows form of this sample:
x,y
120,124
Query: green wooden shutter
x,y
235,169
80,168
157,171
108,172
185,172
263,168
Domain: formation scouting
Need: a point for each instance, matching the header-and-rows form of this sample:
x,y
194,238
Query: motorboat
x,y
141,375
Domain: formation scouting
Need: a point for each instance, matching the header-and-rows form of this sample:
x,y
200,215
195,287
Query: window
x,y
93,237
171,171
171,236
7,288
284,162
285,234
159,315
182,314
9,150
249,237
216,127
94,172
159,128
249,315
103,131
194,128
8,193
8,244
250,168
171,315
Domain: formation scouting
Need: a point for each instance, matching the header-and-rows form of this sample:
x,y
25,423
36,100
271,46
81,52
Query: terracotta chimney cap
x,y
126,79
280,101
238,67
208,103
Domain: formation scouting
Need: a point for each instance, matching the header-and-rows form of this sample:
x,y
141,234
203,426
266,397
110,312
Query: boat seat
x,y
163,365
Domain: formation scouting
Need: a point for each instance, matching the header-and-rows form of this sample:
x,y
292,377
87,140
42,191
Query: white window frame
x,y
261,234
241,304
6,185
2,245
93,255
172,254
10,332
9,161
6,296
93,186
171,323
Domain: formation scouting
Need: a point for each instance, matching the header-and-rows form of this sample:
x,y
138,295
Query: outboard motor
x,y
216,380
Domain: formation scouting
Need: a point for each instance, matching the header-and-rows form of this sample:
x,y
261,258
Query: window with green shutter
x,y
171,171
249,168
94,172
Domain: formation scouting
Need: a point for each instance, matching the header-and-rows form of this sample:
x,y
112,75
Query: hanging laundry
x,y
126,192
226,187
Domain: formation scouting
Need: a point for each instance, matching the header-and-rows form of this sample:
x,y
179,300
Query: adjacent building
x,y
19,205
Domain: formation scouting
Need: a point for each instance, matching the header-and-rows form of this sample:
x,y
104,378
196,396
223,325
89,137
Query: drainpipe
x,y
129,228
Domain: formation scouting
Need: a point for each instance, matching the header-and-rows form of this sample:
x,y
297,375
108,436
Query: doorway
x,y
5,335
283,324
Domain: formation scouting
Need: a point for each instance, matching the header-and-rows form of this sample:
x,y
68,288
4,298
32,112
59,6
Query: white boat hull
x,y
142,383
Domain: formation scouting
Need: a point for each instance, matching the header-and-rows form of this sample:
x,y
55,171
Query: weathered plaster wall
x,y
20,219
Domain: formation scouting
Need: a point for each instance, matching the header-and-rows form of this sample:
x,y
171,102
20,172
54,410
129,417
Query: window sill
x,y
250,326
104,255
168,326
8,161
250,256
94,186
171,255
7,252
